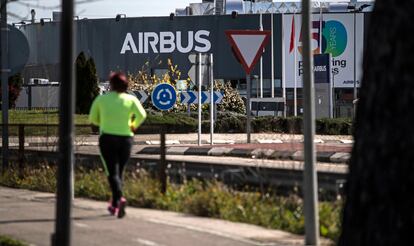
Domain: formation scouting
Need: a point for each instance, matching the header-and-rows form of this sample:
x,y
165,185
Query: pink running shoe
x,y
111,209
121,207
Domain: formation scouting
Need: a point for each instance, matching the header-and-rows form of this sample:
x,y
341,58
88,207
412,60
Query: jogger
x,y
118,115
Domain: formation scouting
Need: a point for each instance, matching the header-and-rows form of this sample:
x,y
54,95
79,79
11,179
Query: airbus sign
x,y
167,42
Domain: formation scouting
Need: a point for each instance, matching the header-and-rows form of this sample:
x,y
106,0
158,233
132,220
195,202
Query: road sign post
x,y
199,97
211,100
248,108
248,46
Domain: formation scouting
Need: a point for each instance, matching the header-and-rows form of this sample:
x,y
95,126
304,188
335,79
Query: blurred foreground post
x,y
163,163
62,235
310,176
4,84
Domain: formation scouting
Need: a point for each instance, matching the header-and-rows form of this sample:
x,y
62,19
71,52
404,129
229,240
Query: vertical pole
x,y
261,60
283,67
62,235
4,84
310,175
199,98
163,163
272,83
249,106
355,84
295,89
211,99
320,27
21,147
330,87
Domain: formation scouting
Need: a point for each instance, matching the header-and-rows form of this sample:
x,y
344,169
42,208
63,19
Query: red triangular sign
x,y
248,46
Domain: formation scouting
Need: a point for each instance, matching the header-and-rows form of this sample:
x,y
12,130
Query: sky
x,y
20,10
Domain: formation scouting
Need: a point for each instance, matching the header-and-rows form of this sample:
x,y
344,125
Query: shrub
x,y
86,83
208,198
7,241
15,86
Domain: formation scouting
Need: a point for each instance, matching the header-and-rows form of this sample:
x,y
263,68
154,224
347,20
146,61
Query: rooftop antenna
x,y
33,14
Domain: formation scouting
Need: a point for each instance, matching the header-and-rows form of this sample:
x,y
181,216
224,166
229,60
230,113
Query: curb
x,y
330,157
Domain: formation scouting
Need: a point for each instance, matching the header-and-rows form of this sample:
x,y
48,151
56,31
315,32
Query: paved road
x,y
29,216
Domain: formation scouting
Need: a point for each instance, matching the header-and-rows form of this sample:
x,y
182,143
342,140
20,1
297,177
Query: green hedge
x,y
227,122
236,123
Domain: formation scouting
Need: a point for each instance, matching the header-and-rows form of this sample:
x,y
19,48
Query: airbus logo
x,y
166,42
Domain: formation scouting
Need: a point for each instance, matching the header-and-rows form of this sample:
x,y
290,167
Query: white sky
x,y
20,10
96,8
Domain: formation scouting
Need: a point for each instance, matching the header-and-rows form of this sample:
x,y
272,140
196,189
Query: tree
x,y
15,86
86,83
379,204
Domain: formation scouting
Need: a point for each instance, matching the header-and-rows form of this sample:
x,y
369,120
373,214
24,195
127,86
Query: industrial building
x,y
130,44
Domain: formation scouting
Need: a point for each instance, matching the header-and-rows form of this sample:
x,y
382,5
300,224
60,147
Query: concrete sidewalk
x,y
191,138
29,216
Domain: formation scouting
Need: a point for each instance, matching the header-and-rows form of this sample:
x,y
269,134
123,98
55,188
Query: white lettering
x,y
190,42
204,41
153,42
167,42
167,39
140,43
129,44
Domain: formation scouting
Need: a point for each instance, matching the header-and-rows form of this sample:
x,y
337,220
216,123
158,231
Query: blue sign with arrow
x,y
191,97
163,96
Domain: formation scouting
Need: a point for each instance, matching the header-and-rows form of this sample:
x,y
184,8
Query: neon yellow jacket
x,y
115,113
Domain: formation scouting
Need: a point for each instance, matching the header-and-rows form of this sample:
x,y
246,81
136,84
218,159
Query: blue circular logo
x,y
163,96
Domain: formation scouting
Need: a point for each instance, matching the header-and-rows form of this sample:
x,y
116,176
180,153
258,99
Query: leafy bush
x,y
232,101
8,241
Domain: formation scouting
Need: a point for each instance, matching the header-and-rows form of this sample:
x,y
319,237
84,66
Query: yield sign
x,y
248,46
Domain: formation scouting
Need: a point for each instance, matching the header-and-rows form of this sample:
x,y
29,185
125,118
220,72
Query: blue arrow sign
x,y
192,97
188,97
163,96
204,97
217,97
141,95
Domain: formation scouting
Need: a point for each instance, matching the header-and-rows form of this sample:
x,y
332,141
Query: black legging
x,y
115,151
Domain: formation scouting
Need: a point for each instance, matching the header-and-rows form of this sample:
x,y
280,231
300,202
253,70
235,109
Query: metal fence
x,y
30,144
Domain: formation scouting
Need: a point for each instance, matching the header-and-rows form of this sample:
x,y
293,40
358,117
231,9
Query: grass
x,y
42,117
8,241
208,199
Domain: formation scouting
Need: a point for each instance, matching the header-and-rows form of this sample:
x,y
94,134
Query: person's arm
x,y
139,113
94,113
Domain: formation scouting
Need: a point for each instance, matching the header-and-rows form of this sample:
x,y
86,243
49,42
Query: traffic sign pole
x,y
211,100
199,97
249,115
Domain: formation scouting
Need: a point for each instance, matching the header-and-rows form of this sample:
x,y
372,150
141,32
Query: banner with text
x,y
337,39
